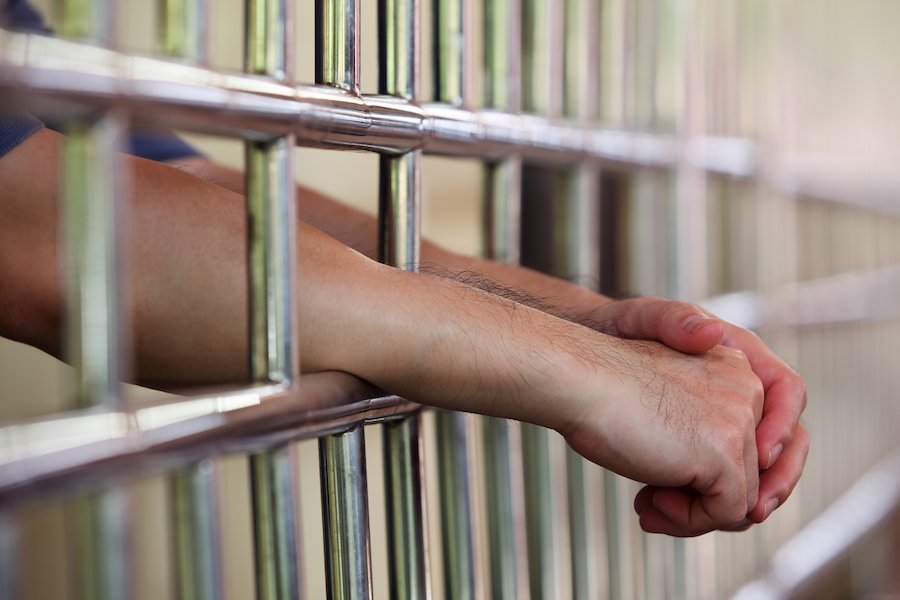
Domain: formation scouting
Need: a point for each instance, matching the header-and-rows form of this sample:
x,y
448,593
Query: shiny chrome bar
x,y
272,263
100,525
452,51
91,230
275,511
196,99
182,29
345,515
337,44
272,267
399,242
547,514
195,531
545,462
460,519
409,575
578,259
505,516
399,234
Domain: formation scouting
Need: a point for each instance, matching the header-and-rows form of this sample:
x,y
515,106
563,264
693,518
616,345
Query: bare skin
x,y
686,424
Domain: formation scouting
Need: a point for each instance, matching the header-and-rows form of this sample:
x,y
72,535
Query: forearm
x,y
417,335
359,231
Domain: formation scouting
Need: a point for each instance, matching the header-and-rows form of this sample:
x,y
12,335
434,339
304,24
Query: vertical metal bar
x,y
452,51
399,214
91,231
337,43
271,213
91,228
195,529
87,19
271,207
544,452
455,431
275,526
100,523
460,523
183,31
578,257
9,555
505,518
271,261
345,515
542,57
504,470
192,490
342,457
409,576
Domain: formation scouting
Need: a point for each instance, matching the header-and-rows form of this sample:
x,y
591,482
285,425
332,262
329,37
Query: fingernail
x,y
774,453
771,505
694,323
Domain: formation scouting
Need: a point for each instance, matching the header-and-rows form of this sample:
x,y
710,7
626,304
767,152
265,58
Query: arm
x,y
672,420
679,325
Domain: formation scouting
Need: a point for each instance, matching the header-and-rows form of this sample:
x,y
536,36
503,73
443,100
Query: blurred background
x,y
807,252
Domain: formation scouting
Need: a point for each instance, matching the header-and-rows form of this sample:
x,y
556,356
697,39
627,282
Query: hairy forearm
x,y
359,231
425,337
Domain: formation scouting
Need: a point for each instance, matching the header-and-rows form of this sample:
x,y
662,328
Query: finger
x,y
777,483
785,394
685,513
679,325
785,402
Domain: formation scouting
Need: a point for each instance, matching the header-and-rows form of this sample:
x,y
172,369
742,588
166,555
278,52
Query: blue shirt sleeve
x,y
14,130
159,145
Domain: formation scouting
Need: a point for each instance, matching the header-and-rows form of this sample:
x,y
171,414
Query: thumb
x,y
679,325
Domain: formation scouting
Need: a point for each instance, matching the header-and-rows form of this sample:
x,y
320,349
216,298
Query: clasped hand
x,y
717,436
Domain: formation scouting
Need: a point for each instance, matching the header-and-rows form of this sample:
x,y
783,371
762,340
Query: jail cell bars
x,y
641,175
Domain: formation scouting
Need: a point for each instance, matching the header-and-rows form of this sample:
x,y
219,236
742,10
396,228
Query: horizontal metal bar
x,y
832,535
846,298
60,73
80,447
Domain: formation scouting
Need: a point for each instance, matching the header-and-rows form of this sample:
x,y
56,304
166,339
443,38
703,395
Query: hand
x,y
685,424
782,442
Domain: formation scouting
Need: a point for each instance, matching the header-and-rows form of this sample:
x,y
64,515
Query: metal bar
x,y
505,518
460,519
271,213
399,241
100,524
345,515
547,514
196,99
409,564
274,524
542,57
544,452
460,522
9,555
452,50
87,19
337,44
195,531
183,31
271,221
503,467
91,231
577,232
